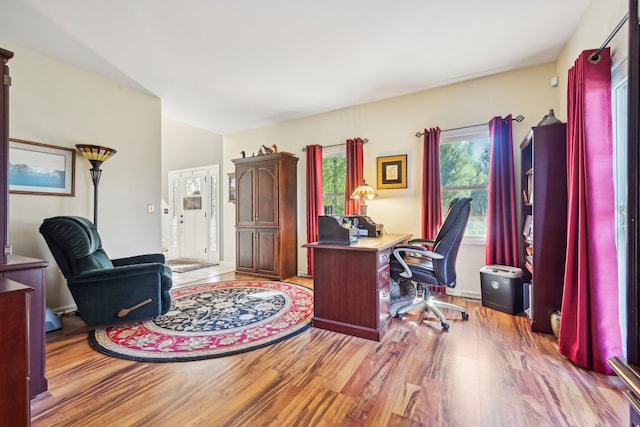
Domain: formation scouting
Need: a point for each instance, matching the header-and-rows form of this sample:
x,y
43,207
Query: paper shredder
x,y
501,288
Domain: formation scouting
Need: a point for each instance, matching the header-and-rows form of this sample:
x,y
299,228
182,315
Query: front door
x,y
193,213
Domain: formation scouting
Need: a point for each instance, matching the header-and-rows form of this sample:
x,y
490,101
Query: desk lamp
x,y
364,192
96,155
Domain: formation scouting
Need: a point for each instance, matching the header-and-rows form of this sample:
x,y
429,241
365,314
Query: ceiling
x,y
228,66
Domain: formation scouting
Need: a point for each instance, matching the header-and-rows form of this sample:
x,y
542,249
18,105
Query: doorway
x,y
194,212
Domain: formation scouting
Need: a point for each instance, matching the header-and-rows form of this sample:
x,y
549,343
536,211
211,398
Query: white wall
x,y
598,21
54,103
185,147
390,126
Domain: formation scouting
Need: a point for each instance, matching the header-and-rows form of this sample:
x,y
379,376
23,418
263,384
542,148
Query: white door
x,y
194,214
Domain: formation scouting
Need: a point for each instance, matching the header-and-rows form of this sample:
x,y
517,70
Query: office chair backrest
x,y
447,242
75,244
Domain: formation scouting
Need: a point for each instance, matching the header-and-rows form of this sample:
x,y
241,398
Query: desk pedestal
x,y
351,286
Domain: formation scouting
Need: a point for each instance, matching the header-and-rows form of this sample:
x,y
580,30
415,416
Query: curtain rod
x,y
518,118
364,141
596,54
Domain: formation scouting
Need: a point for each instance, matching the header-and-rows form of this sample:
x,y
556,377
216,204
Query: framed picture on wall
x,y
232,187
392,172
37,168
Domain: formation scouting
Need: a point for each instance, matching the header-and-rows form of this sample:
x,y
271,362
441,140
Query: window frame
x,y
334,151
468,133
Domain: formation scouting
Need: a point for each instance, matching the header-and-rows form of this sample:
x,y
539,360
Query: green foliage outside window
x,y
334,175
464,172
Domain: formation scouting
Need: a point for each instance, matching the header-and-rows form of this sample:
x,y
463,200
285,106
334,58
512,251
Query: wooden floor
x,y
488,371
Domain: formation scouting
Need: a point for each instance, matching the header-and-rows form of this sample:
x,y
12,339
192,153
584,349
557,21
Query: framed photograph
x,y
36,168
232,187
392,172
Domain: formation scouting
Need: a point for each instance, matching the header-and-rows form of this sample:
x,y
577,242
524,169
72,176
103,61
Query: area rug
x,y
212,320
184,265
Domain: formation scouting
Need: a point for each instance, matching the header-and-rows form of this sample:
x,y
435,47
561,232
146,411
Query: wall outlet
x,y
151,208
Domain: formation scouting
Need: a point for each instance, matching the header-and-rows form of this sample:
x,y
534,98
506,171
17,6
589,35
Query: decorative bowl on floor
x,y
555,323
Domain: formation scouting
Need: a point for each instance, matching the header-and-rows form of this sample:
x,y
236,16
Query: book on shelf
x,y
527,230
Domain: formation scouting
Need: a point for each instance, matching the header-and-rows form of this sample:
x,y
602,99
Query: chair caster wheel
x,y
465,316
400,316
445,326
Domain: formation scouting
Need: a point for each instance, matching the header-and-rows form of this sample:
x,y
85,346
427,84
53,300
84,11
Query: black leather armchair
x,y
105,290
423,263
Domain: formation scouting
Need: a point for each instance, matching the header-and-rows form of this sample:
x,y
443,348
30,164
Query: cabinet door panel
x,y
245,202
268,251
267,195
245,249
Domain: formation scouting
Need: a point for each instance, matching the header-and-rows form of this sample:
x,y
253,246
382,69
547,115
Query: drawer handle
x,y
385,275
384,257
385,293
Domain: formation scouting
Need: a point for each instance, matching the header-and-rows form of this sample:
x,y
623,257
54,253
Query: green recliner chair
x,y
106,290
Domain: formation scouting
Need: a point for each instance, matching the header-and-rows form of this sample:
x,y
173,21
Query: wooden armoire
x,y
266,215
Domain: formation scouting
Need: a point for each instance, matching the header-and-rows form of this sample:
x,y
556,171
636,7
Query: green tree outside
x,y
464,172
334,173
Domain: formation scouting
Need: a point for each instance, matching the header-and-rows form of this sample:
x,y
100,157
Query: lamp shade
x,y
364,191
95,153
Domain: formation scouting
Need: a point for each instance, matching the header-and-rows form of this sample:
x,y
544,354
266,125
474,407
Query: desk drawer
x,y
384,256
383,275
384,303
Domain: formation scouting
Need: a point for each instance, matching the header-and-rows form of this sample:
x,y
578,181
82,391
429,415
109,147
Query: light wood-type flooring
x,y
488,371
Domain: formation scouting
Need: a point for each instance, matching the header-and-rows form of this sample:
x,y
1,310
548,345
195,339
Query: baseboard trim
x,y
65,309
474,295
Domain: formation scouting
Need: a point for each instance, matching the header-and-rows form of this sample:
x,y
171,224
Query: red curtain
x,y
589,329
314,198
355,174
431,190
502,229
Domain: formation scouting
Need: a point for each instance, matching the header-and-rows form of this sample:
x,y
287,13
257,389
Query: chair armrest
x,y
117,273
413,249
428,242
101,294
139,259
417,249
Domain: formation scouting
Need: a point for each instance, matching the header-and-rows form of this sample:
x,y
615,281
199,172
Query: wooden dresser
x,y
31,272
15,407
351,285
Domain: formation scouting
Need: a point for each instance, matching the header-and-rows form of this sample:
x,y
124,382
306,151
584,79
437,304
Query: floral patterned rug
x,y
212,320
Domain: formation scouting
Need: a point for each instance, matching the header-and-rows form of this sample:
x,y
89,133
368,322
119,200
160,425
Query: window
x,y
334,177
619,98
464,172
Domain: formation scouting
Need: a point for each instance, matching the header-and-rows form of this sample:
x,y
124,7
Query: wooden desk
x,y
351,285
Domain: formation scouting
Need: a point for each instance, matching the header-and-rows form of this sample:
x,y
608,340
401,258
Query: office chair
x,y
414,265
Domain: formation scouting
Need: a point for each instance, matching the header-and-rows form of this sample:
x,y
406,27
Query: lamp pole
x,y
95,177
96,154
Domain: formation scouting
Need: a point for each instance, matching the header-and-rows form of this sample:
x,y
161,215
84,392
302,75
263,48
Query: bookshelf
x,y
543,220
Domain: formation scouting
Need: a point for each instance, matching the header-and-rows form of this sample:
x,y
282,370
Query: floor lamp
x,y
96,155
